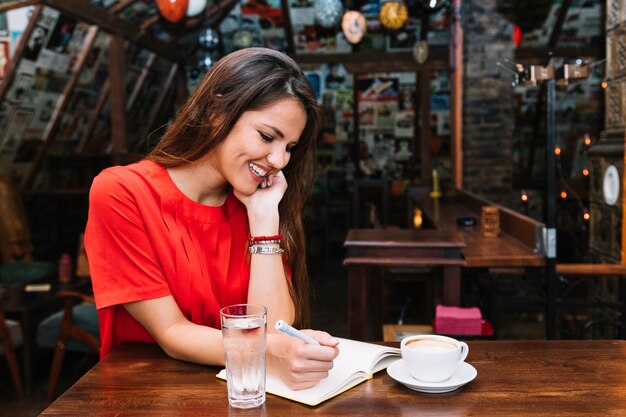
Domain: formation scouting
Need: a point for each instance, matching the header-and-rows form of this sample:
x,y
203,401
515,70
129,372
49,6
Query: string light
x,y
604,84
585,172
563,194
524,197
557,151
587,139
417,218
586,215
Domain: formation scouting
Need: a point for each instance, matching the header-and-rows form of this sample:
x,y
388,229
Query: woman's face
x,y
259,144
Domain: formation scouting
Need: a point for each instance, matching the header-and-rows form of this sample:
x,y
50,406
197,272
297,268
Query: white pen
x,y
283,327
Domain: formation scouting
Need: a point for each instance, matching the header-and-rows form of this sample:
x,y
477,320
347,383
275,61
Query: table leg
x,y
27,350
357,296
452,285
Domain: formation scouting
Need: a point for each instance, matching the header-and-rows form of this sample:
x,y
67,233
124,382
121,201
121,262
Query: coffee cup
x,y
432,358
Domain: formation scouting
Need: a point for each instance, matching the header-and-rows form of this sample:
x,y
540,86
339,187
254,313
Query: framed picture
x,y
403,39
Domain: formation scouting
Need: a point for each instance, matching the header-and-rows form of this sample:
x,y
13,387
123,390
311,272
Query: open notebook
x,y
357,362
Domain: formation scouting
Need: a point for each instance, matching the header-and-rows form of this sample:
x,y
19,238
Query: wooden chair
x,y
77,322
9,342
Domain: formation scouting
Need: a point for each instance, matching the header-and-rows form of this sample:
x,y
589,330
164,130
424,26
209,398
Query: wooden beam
x,y
93,118
590,269
121,5
423,98
48,135
156,107
140,80
221,8
85,11
558,25
291,48
10,5
456,95
366,62
117,77
540,56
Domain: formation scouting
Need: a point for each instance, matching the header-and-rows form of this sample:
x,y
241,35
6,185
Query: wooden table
x,y
368,249
515,378
445,245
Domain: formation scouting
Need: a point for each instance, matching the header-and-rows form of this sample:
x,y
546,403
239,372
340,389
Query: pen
x,y
283,327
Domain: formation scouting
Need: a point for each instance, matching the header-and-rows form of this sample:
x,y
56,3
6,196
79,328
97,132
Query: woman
x,y
201,222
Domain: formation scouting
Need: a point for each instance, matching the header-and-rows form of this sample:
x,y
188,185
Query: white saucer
x,y
462,376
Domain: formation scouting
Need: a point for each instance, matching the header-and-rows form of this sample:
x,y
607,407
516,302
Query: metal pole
x,y
550,212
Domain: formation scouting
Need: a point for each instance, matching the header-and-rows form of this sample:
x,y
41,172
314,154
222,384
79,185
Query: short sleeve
x,y
122,259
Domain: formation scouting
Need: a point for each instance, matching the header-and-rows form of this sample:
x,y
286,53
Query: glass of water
x,y
244,328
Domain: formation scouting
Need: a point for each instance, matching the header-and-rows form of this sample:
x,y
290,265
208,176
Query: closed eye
x,y
265,137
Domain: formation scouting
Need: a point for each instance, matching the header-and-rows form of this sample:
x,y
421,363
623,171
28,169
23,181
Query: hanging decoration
x,y
420,51
328,12
208,39
195,7
205,63
242,39
172,10
393,15
353,26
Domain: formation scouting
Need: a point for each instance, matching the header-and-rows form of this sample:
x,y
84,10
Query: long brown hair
x,y
246,80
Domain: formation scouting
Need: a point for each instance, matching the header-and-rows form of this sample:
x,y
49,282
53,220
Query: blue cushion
x,y
15,330
85,316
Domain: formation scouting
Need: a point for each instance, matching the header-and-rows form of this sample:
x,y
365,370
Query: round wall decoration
x,y
353,26
208,39
611,185
328,12
393,15
196,7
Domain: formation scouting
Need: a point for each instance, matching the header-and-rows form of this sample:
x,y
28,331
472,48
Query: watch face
x,y
610,185
353,26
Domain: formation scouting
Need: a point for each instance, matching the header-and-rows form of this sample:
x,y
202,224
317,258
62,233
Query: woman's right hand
x,y
298,364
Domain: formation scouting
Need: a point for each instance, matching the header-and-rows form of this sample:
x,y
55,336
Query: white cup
x,y
432,358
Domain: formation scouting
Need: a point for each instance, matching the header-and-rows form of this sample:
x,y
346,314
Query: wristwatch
x,y
265,250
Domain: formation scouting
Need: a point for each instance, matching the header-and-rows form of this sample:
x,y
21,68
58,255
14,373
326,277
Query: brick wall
x,y
488,103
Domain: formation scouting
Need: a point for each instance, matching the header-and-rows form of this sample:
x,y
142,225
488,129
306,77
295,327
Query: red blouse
x,y
145,239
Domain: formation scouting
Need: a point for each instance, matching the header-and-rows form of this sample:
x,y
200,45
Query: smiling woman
x,y
168,237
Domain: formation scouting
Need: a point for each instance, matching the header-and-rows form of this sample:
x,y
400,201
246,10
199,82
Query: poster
x,y
5,56
378,102
41,33
21,89
18,123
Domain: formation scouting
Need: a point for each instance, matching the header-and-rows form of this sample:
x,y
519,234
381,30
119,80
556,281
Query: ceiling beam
x,y
85,11
10,5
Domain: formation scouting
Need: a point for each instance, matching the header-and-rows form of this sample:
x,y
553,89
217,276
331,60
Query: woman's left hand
x,y
262,205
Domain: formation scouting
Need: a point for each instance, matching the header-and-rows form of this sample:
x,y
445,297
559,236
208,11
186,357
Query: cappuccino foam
x,y
431,345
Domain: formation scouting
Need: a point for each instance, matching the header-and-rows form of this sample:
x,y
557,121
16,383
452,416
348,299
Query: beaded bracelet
x,y
257,239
